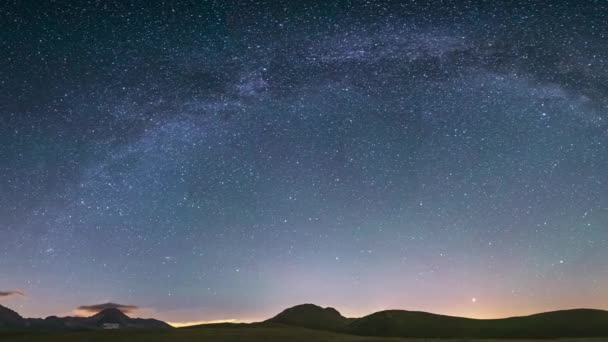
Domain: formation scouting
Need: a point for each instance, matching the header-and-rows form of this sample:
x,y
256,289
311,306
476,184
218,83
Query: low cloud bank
x,y
95,308
12,293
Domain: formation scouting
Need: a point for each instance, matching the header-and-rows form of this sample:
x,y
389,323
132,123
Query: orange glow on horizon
x,y
188,324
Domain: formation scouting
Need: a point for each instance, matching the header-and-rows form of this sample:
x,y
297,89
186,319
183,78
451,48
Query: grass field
x,y
220,334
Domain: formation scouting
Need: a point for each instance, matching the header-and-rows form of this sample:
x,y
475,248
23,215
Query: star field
x,y
224,160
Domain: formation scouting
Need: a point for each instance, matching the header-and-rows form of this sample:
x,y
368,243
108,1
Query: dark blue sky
x,y
224,160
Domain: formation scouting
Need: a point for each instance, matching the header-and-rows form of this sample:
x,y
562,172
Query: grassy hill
x,y
313,317
214,333
226,333
412,324
568,323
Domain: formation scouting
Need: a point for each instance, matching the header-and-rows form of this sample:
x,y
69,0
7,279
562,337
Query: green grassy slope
x,y
270,333
410,324
262,333
399,323
568,323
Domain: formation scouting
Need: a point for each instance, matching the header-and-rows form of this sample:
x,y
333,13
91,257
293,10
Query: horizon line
x,y
188,323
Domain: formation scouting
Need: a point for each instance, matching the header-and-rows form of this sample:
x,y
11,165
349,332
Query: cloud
x,y
12,293
95,308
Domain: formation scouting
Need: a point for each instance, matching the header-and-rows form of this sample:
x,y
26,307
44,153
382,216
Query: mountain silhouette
x,y
311,316
11,320
401,323
576,323
111,315
115,316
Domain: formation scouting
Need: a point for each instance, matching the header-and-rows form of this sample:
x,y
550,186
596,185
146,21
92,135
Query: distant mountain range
x,y
400,323
390,323
9,319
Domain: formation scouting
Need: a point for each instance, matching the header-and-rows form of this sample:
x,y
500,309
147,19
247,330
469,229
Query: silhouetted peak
x,y
110,315
311,308
9,317
311,316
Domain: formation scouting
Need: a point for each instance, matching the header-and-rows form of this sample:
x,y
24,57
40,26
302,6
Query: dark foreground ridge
x,y
108,317
577,323
398,323
401,323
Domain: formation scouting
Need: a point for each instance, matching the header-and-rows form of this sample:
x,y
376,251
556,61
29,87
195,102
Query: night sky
x,y
217,160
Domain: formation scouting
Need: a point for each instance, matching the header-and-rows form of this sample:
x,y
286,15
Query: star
x,y
295,146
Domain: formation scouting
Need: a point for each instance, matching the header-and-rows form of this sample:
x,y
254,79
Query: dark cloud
x,y
11,293
95,308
